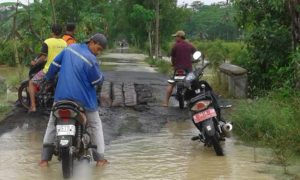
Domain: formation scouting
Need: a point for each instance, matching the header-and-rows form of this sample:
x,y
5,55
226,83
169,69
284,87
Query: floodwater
x,y
168,154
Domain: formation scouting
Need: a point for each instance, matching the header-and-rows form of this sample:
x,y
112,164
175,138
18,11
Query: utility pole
x,y
157,30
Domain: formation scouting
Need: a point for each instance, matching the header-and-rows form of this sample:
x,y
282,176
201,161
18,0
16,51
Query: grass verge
x,y
272,122
162,66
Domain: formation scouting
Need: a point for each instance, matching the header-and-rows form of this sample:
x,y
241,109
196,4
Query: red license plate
x,y
201,116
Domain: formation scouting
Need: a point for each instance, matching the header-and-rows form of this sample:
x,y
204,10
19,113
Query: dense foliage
x,y
121,19
210,22
268,38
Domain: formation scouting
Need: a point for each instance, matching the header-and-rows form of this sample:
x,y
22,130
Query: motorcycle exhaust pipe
x,y
226,129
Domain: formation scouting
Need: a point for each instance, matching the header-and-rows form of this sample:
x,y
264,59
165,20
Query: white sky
x,y
180,2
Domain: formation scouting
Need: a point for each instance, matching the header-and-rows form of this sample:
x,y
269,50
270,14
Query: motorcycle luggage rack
x,y
200,97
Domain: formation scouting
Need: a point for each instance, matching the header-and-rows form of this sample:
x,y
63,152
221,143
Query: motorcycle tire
x,y
216,144
181,102
23,95
67,162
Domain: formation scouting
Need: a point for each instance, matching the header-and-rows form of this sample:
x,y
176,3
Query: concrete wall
x,y
234,79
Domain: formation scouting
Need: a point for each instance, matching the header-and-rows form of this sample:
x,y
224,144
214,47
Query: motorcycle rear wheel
x,y
217,146
67,162
181,102
23,95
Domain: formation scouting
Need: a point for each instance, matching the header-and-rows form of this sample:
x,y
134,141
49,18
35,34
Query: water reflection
x,y
169,154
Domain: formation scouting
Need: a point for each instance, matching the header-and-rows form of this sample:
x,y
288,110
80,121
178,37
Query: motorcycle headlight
x,y
190,77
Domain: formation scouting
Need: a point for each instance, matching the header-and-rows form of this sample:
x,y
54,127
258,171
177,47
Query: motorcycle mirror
x,y
197,55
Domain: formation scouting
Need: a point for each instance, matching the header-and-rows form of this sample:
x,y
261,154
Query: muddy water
x,y
168,154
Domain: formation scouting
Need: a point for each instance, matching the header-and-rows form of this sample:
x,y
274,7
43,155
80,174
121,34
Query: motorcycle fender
x,y
208,127
24,82
64,141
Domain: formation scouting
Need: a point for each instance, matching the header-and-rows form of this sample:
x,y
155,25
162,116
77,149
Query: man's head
x,y
56,29
97,43
70,27
179,35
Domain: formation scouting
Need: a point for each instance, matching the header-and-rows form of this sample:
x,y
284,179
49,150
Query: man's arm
x,y
193,49
173,55
55,66
42,57
95,76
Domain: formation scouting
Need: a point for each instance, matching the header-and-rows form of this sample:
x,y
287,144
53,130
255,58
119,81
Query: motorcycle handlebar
x,y
199,71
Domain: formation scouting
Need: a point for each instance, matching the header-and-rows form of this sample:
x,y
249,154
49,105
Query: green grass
x,y
273,122
162,66
4,108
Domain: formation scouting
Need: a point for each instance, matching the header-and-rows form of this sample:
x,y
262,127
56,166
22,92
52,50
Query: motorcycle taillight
x,y
201,105
180,72
65,113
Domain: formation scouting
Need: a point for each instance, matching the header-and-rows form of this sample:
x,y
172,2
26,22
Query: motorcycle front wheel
x,y
67,162
23,95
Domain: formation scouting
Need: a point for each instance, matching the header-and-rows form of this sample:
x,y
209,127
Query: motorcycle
x,y
45,92
178,80
205,110
72,139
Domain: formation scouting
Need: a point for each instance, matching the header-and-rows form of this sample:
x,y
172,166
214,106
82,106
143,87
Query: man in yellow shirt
x,y
50,48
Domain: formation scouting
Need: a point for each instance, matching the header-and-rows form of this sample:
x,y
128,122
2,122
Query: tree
x,y
212,22
295,24
197,5
157,29
267,30
142,20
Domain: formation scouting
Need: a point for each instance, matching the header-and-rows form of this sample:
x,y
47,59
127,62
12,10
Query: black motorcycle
x,y
72,139
178,79
44,96
205,109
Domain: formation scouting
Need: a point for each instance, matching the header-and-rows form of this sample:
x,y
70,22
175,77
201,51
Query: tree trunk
x,y
293,6
157,30
53,11
14,31
150,41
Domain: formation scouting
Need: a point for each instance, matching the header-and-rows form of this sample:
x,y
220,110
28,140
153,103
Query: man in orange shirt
x,y
69,35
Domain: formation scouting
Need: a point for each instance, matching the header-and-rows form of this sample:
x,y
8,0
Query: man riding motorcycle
x,y
79,73
181,57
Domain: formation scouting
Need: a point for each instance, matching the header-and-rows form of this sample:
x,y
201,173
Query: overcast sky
x,y
180,2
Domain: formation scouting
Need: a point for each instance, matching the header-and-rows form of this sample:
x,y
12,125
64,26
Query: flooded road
x,y
168,154
149,144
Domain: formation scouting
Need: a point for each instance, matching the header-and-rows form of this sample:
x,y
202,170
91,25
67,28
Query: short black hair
x,y
56,29
70,27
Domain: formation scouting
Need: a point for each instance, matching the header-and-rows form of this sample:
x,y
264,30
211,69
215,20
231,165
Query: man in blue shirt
x,y
78,74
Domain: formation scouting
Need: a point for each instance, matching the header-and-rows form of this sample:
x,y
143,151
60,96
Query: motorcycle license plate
x,y
201,116
65,130
179,77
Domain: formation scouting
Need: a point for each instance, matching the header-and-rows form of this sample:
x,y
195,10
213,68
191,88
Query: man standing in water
x,y
181,57
78,74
